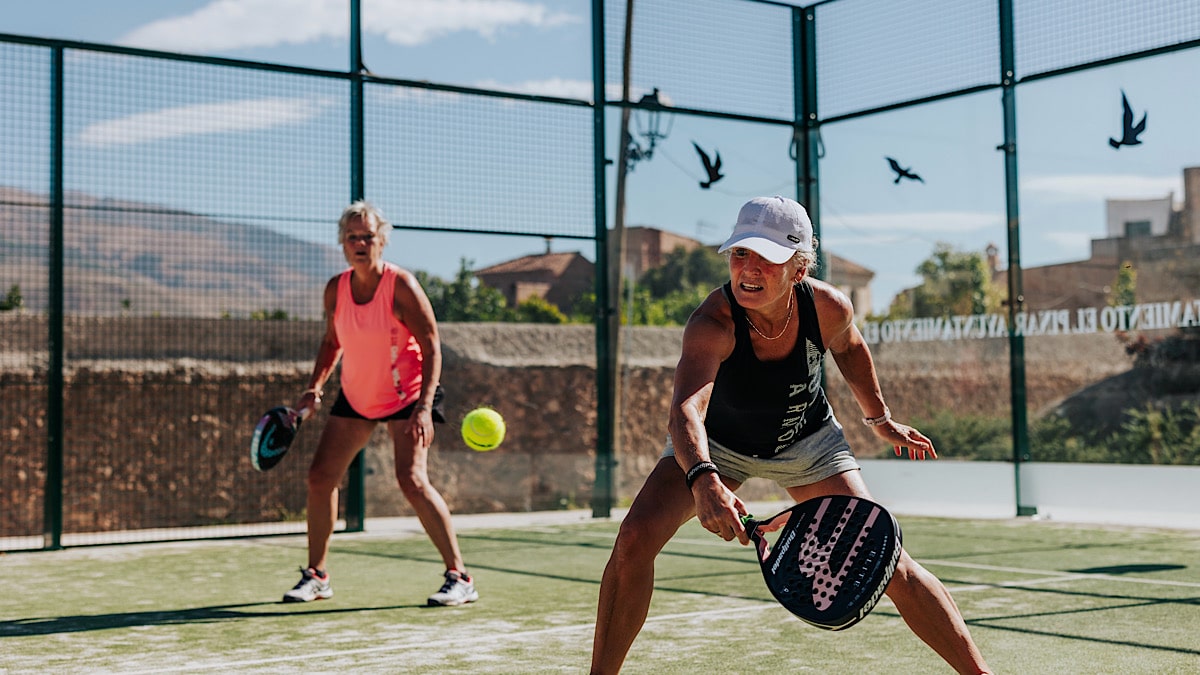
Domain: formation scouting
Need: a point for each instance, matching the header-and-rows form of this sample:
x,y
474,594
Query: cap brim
x,y
768,249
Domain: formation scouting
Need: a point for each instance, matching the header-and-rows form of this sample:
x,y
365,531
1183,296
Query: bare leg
x,y
930,611
341,439
413,476
924,603
662,506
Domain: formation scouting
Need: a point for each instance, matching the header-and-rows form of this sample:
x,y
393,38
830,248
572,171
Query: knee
x,y
322,481
636,544
908,578
413,484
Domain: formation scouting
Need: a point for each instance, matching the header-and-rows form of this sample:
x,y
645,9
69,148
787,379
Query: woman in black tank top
x,y
748,402
758,407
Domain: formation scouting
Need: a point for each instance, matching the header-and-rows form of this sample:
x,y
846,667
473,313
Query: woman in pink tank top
x,y
380,325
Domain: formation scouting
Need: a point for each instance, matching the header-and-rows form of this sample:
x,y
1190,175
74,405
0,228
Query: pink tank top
x,y
381,360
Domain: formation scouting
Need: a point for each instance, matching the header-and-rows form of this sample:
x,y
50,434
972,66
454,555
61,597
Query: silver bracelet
x,y
878,421
317,393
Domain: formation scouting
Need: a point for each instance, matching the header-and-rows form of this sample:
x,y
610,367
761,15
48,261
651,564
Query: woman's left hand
x,y
902,436
420,427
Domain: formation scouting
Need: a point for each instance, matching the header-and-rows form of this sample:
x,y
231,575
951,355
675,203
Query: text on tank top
x,y
381,360
759,408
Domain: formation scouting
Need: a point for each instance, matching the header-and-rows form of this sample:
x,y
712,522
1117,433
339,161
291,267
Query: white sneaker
x,y
310,587
458,590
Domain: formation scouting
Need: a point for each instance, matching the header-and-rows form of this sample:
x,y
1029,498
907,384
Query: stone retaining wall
x,y
159,414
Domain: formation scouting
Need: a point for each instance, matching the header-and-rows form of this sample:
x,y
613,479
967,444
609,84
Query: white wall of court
x,y
1117,494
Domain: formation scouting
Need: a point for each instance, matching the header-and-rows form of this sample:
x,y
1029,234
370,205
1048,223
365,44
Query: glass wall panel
x,y
913,228
1110,223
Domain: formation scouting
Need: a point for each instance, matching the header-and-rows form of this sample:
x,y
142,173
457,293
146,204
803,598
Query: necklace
x,y
786,323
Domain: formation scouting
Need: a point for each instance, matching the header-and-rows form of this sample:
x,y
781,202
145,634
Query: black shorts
x,y
342,408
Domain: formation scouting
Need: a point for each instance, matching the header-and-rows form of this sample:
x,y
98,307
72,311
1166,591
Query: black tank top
x,y
759,408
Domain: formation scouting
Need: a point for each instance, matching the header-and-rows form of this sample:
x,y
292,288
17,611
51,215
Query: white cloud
x,y
414,22
555,86
427,96
1098,187
205,118
224,25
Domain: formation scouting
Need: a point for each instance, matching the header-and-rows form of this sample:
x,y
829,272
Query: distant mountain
x,y
124,257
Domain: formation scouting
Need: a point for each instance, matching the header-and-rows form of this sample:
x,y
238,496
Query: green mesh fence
x,y
199,198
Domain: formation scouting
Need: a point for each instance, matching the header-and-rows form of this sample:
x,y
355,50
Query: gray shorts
x,y
807,461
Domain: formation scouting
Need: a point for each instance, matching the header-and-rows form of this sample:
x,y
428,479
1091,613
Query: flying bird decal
x,y
902,172
711,167
1129,130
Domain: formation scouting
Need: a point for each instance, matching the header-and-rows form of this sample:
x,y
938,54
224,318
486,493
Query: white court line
x,y
497,637
1048,576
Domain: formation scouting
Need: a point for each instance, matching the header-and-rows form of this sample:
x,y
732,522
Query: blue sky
x,y
730,54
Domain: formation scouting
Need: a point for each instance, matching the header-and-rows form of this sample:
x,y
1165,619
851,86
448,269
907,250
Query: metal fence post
x,y
603,486
356,489
1016,298
52,505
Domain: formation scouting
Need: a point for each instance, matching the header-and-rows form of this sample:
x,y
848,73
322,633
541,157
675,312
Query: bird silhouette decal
x,y
711,167
902,172
1129,130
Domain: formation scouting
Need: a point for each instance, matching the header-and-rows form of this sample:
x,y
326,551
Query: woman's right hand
x,y
718,509
308,403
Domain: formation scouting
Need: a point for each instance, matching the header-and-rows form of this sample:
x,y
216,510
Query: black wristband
x,y
700,468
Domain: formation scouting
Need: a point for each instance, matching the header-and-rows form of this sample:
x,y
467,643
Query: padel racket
x,y
832,559
273,435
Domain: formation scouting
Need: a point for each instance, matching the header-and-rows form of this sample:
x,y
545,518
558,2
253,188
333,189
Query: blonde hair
x,y
364,210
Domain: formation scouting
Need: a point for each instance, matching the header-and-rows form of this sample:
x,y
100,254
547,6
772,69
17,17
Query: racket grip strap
x,y
699,469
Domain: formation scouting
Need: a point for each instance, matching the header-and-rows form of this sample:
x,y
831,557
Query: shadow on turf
x,y
87,622
740,555
1133,601
1129,569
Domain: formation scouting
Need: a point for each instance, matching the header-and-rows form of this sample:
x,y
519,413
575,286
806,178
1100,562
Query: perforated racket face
x,y
832,561
273,436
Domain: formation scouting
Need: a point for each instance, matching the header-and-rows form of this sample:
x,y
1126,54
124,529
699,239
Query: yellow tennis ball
x,y
483,429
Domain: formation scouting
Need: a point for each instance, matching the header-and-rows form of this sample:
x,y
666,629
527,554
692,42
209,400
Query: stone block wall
x,y
159,414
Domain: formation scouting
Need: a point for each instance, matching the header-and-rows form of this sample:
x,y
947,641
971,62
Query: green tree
x,y
953,283
685,270
465,298
539,310
1124,289
13,299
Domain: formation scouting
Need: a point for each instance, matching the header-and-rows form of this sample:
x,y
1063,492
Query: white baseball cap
x,y
773,227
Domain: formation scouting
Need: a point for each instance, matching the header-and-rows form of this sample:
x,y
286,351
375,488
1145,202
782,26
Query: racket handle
x,y
304,413
748,521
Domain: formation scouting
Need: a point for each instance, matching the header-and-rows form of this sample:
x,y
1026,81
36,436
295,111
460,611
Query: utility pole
x,y
618,239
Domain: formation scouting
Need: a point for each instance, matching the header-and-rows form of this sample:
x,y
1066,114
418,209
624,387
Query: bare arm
x,y
329,352
853,358
707,341
412,307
